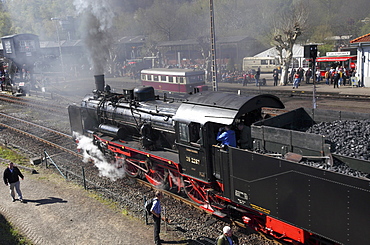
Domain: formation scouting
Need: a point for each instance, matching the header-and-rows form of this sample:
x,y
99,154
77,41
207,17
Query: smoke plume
x,y
97,19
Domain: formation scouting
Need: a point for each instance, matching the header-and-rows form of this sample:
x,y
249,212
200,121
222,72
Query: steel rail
x,y
41,139
33,103
36,125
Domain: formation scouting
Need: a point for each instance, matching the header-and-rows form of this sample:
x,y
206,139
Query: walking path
x,y
58,212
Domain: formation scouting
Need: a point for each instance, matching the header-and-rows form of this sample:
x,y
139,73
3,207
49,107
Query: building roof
x,y
272,52
339,38
178,43
79,42
219,40
362,39
63,43
132,39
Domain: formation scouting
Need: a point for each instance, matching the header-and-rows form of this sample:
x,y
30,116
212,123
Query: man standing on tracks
x,y
156,211
11,179
227,238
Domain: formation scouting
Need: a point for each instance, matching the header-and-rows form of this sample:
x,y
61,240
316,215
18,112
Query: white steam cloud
x,y
91,152
97,21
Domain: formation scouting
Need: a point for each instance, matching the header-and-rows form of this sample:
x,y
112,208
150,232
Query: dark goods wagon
x,y
277,183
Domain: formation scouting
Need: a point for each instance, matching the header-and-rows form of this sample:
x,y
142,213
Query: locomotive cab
x,y
197,122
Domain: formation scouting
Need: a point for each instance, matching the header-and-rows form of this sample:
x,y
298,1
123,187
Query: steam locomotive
x,y
173,145
21,51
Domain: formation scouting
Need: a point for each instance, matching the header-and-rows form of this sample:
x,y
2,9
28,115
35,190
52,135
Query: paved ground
x,y
320,87
58,212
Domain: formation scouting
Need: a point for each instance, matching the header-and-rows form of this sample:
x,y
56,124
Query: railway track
x,y
40,133
38,104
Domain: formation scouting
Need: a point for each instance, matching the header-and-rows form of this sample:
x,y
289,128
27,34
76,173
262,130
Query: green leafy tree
x,y
365,28
34,16
5,22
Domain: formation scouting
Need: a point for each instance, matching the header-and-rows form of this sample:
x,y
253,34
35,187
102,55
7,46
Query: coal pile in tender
x,y
347,138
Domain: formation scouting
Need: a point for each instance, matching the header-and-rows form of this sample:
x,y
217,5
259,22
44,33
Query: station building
x,y
363,58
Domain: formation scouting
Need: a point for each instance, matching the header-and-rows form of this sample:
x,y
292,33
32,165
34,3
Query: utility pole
x,y
213,49
59,44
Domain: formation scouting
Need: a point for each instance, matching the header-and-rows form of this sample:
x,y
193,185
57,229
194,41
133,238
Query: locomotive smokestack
x,y
99,82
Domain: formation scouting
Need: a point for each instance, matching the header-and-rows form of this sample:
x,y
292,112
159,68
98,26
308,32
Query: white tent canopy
x,y
298,52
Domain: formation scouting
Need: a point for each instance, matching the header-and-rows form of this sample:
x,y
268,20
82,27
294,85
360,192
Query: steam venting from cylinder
x,y
99,82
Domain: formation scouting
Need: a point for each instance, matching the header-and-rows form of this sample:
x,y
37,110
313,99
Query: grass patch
x,y
107,202
12,155
10,236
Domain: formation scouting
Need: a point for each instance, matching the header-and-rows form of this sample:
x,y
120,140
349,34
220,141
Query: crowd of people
x,y
336,76
243,77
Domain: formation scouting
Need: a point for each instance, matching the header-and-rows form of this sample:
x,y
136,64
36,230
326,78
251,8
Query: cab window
x,y
190,133
183,132
194,132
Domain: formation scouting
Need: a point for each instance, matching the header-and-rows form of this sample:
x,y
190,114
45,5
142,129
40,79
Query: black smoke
x,y
97,18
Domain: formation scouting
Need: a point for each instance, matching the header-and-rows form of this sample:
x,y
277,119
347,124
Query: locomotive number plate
x,y
192,160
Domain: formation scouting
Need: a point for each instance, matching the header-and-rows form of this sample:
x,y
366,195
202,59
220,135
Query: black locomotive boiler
x,y
268,187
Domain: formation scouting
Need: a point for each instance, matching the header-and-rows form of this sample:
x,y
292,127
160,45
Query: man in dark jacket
x,y
275,75
227,238
11,179
336,77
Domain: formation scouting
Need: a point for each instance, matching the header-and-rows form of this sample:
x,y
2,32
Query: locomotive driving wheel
x,y
194,190
131,169
157,176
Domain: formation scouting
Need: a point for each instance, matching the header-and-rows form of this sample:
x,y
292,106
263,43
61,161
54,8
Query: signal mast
x,y
213,49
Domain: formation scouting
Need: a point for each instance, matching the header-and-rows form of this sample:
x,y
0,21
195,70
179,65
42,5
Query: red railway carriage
x,y
174,80
173,145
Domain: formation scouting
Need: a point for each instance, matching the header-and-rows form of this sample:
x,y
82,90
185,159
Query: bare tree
x,y
288,27
205,49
